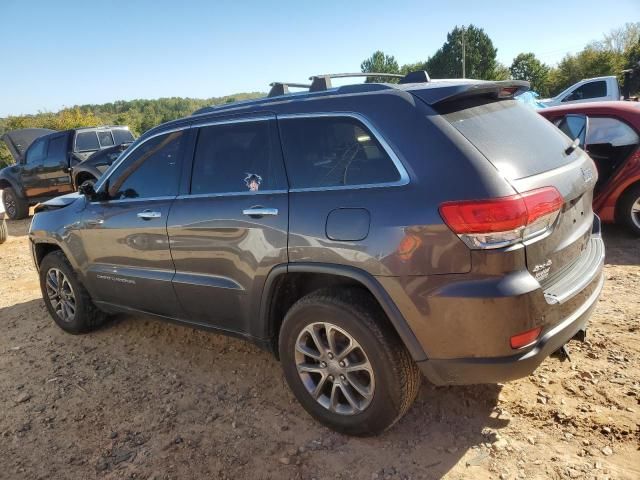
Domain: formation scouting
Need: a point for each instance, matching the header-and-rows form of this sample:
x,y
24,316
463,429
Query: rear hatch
x,y
531,153
18,141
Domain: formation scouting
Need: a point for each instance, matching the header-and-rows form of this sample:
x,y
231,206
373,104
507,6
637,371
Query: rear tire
x,y
374,384
17,208
4,233
629,209
67,300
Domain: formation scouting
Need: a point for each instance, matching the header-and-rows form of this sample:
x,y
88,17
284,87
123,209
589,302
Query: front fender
x,y
7,177
60,227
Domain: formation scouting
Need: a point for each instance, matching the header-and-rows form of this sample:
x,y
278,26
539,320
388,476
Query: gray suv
x,y
365,234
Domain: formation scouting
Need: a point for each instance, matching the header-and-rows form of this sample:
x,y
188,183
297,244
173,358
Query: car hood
x,y
19,140
58,202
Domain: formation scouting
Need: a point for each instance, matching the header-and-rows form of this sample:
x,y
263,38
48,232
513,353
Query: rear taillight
x,y
500,222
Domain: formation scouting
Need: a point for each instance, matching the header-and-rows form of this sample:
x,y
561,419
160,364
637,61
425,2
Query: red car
x,y
610,133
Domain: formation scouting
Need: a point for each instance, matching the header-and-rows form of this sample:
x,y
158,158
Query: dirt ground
x,y
143,399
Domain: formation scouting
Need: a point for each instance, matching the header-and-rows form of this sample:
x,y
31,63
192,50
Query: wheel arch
x,y
6,182
81,175
277,298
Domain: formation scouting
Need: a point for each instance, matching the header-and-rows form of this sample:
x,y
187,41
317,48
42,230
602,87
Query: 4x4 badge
x,y
541,271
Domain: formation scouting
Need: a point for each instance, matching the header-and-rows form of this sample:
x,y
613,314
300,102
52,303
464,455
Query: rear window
x,y
87,141
106,140
120,135
518,141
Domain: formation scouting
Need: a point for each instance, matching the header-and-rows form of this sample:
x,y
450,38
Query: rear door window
x,y
516,139
238,157
325,152
607,130
121,135
87,141
105,138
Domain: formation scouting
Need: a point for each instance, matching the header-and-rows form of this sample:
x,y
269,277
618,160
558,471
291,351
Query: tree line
x,y
617,51
139,115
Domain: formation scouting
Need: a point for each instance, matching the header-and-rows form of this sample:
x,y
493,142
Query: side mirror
x,y
87,189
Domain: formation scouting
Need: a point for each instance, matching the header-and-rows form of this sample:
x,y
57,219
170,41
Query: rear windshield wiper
x,y
575,144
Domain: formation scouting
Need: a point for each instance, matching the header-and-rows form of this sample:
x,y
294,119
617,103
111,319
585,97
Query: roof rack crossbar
x,y
282,88
323,82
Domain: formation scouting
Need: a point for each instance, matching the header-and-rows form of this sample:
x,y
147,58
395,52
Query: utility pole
x,y
464,54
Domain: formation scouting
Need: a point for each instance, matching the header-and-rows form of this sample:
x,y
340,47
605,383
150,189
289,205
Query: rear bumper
x,y
465,371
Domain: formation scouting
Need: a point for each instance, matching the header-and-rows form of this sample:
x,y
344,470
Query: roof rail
x,y
282,88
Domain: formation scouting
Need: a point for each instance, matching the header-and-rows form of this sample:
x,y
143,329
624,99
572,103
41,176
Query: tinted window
x,y
57,151
610,131
237,157
120,135
37,151
515,139
588,90
333,151
105,138
86,141
151,170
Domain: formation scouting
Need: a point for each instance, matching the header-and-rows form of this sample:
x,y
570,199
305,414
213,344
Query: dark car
x,y
364,234
88,171
46,160
610,133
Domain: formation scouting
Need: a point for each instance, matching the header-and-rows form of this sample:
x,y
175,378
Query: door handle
x,y
260,212
148,215
94,222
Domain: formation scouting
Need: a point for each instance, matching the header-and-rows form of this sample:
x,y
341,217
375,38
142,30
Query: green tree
x,y
619,40
632,62
588,63
527,67
380,63
480,55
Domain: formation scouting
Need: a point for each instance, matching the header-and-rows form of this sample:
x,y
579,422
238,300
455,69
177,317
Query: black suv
x,y
364,234
51,163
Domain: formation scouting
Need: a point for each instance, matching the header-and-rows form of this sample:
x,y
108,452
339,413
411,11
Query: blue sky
x,y
63,53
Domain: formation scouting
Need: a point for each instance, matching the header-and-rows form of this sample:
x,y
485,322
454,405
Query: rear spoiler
x,y
460,91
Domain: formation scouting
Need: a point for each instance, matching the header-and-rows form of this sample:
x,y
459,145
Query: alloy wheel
x,y
334,368
635,212
61,295
10,205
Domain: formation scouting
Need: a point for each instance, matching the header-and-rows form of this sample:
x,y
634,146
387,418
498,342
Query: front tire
x,y
67,300
629,209
17,208
345,364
